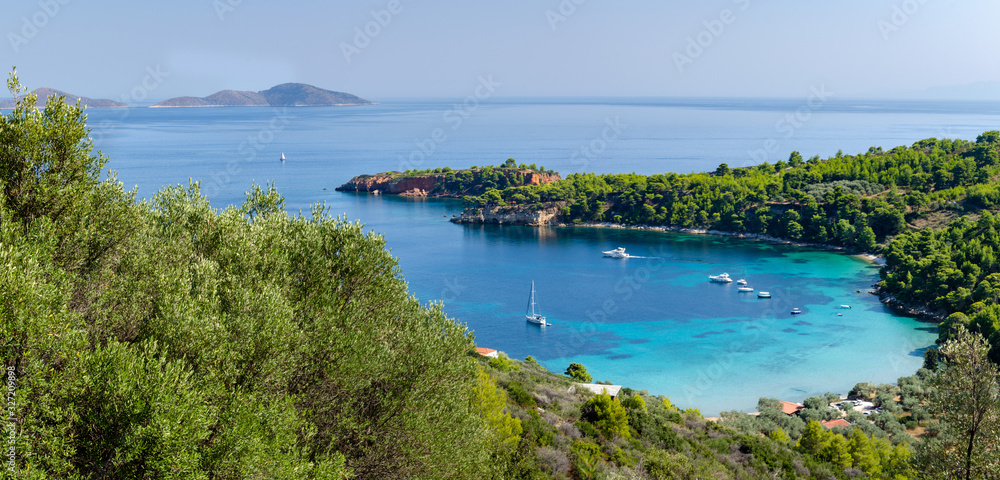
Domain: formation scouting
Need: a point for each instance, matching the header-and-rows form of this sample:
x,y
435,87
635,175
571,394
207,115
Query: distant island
x,y
445,182
44,94
284,95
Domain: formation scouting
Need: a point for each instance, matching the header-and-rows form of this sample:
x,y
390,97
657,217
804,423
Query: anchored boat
x,y
532,317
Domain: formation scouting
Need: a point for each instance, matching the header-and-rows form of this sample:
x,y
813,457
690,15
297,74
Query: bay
x,y
651,323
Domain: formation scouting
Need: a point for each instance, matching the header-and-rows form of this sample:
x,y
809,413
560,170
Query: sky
x,y
144,50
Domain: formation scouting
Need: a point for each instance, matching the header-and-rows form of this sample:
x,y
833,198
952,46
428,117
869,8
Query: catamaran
x,y
534,318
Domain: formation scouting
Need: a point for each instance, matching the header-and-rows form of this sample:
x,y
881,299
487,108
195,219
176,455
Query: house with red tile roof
x,y
789,408
487,352
840,422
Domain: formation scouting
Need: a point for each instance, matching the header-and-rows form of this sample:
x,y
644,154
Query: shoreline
x,y
863,256
919,312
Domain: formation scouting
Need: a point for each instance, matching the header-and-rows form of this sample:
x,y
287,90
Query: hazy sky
x,y
376,49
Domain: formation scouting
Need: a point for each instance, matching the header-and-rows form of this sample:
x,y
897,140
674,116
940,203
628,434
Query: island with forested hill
x,y
284,95
49,93
445,182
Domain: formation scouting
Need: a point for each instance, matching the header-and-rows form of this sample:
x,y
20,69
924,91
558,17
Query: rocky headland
x,y
454,184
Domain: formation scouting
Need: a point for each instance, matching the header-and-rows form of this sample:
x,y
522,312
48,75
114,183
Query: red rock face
x,y
420,186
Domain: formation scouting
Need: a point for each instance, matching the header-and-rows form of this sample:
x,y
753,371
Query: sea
x,y
651,322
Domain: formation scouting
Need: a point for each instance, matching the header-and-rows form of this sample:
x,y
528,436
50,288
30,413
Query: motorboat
x,y
745,288
796,311
616,253
720,278
763,294
532,317
845,306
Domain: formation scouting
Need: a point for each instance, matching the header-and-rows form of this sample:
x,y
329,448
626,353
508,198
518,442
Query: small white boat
x,y
282,156
741,281
845,306
720,278
616,253
796,311
763,294
745,288
534,318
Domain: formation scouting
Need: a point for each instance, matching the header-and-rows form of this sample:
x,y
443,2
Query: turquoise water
x,y
652,323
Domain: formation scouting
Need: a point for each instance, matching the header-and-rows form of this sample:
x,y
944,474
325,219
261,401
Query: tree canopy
x,y
165,338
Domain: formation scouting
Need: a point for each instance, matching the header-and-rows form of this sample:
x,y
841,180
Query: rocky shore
x,y
920,312
433,184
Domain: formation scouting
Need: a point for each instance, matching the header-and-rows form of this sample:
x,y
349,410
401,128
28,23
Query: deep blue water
x,y
652,323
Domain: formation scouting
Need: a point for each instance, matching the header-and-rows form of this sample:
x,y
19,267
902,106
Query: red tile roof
x,y
790,408
484,351
840,422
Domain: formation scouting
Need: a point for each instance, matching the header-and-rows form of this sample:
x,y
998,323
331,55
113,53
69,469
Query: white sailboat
x,y
534,318
282,156
743,285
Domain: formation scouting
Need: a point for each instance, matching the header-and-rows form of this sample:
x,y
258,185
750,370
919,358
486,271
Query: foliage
x,y
968,405
578,372
607,414
165,338
565,438
852,201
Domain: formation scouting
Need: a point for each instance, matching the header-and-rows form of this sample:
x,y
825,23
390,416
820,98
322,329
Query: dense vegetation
x,y
166,339
571,433
852,201
472,181
510,165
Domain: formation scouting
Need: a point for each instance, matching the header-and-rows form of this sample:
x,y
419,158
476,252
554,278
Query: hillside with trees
x,y
445,182
168,339
854,201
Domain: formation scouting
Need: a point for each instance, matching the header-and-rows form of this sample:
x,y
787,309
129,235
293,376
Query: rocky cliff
x,y
435,184
509,215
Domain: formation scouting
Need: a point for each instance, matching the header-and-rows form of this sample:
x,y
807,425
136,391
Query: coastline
x,y
863,256
919,312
